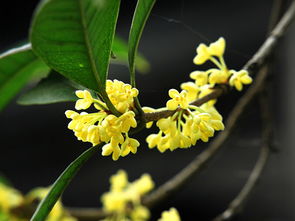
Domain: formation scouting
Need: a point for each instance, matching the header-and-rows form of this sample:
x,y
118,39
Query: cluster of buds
x,y
102,126
123,201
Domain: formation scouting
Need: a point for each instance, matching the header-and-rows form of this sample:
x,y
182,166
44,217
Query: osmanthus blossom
x,y
187,124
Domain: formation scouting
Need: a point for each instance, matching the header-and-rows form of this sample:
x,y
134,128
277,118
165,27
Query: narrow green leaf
x,y
120,50
74,37
17,67
53,89
141,14
61,183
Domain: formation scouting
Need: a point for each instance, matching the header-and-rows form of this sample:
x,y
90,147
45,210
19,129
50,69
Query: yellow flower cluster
x,y
220,75
185,127
11,198
123,199
102,126
190,123
170,215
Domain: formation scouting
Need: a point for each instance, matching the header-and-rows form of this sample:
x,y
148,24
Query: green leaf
x,y
74,37
53,89
141,14
4,180
17,67
61,183
120,50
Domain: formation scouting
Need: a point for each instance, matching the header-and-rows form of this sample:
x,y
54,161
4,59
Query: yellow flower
x,y
123,200
121,94
9,198
140,213
170,215
217,48
143,185
239,78
178,99
114,202
126,121
200,77
119,181
153,140
129,145
202,54
111,148
192,90
218,76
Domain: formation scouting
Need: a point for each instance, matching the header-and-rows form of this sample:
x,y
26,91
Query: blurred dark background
x,y
36,145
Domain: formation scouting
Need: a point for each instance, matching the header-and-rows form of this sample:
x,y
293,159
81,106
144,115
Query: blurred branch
x,y
252,66
237,204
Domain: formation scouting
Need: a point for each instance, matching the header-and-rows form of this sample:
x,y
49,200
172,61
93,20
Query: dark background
x,y
36,145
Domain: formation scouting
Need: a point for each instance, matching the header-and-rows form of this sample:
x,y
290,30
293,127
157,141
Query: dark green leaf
x,y
53,89
120,50
74,37
141,14
17,67
61,183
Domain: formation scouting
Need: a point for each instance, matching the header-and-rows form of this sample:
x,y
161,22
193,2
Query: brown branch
x,y
252,66
87,214
236,205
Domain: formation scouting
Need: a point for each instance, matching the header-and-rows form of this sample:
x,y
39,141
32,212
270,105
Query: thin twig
x,y
252,66
237,204
240,200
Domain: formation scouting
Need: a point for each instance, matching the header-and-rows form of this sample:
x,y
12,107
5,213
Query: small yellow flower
x,y
119,181
85,100
129,145
153,140
121,94
178,99
217,48
143,185
192,90
239,78
126,121
200,77
170,215
111,148
218,76
9,198
140,213
202,54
